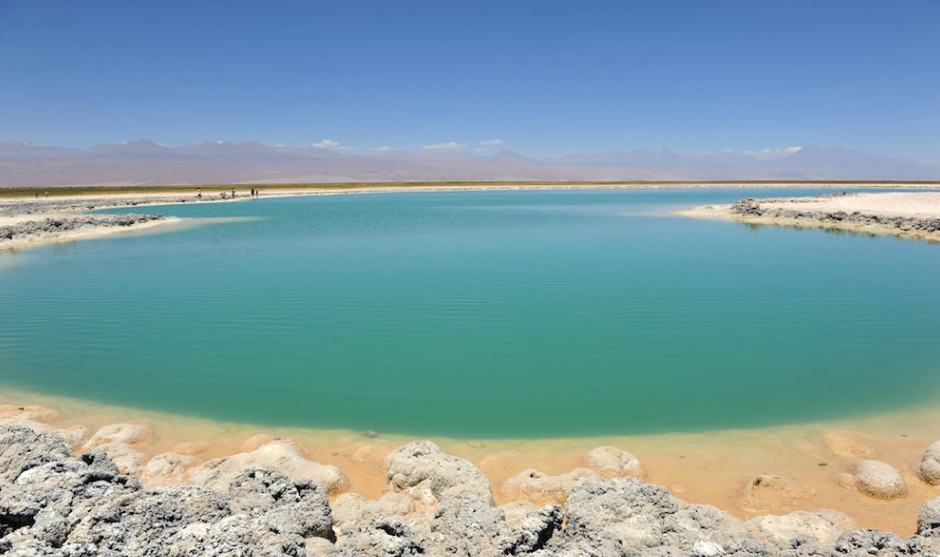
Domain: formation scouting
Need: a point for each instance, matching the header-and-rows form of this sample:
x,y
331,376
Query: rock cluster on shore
x,y
46,219
55,503
59,226
758,209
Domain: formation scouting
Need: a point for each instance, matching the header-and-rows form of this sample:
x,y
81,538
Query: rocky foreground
x,y
55,503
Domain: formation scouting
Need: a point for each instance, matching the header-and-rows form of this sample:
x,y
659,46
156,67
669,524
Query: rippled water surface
x,y
491,314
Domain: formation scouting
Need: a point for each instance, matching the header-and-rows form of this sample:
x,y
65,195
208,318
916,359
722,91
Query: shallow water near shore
x,y
504,314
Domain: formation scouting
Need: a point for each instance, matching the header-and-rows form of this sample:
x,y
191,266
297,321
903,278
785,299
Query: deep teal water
x,y
489,314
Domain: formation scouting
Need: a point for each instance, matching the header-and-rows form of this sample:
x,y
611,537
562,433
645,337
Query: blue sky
x,y
539,77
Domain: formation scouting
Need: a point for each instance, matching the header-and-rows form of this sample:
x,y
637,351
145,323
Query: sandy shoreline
x,y
718,468
17,211
812,463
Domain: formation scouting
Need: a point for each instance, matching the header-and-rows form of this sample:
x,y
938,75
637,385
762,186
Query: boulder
x,y
928,519
880,480
282,455
610,462
284,505
874,543
31,413
74,436
822,527
428,475
929,468
257,441
128,460
22,448
167,468
352,509
130,434
543,489
766,491
191,447
625,516
517,511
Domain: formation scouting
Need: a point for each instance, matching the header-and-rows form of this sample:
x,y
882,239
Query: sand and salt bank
x,y
907,214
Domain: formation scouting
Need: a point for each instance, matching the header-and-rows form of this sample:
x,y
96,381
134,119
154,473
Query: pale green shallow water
x,y
485,314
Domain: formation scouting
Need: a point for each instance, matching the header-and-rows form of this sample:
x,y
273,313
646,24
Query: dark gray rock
x,y
300,508
22,448
61,505
55,504
380,537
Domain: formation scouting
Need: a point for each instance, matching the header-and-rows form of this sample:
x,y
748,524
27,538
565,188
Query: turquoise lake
x,y
491,314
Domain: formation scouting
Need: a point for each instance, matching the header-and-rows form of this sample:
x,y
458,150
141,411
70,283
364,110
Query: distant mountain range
x,y
143,162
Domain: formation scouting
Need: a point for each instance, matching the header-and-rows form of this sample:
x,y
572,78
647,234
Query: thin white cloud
x,y
445,146
765,153
383,148
331,145
492,142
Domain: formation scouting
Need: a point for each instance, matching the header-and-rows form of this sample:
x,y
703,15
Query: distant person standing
x,y
198,193
233,193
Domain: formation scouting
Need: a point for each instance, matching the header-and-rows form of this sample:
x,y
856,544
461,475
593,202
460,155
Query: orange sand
x,y
714,468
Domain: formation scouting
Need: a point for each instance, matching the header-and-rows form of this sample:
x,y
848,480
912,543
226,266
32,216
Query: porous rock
x,y
167,468
821,528
428,475
610,462
130,434
928,519
22,448
541,488
351,509
874,543
128,460
929,467
219,472
625,516
880,480
32,413
762,492
75,436
58,504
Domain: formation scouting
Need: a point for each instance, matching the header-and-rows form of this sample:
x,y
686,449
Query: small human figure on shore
x,y
222,194
233,193
198,193
47,193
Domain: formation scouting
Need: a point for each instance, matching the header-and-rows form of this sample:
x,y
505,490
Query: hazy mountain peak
x,y
142,161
